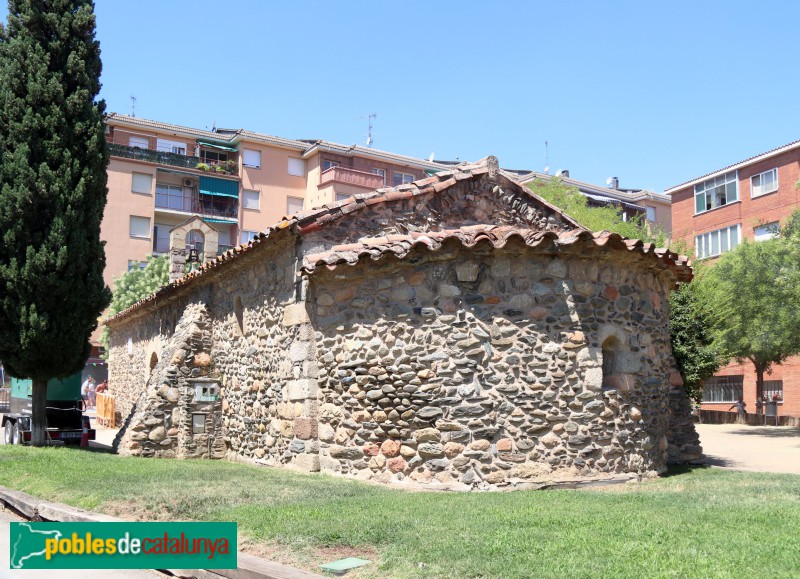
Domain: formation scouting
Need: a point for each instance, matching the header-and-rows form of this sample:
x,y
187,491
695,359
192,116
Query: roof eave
x,y
735,166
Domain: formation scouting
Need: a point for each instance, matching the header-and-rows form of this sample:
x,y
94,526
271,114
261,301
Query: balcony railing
x,y
211,205
160,157
173,159
351,177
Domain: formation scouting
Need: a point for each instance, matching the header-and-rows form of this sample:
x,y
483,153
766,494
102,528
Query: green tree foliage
x,y
135,285
753,295
53,159
692,338
608,218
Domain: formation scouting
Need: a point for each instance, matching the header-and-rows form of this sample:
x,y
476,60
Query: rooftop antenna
x,y
546,160
370,116
133,106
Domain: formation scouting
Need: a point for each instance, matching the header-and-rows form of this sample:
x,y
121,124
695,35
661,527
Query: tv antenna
x,y
370,117
546,160
133,106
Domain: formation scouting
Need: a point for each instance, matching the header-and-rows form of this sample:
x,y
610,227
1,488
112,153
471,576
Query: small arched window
x,y
610,349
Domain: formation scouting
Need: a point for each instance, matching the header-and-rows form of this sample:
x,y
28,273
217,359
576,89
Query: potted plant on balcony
x,y
231,166
203,167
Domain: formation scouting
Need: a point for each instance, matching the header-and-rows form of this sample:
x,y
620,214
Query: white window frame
x,y
177,147
726,389
246,236
716,192
296,167
772,387
404,178
756,181
328,164
138,231
247,202
176,194
138,142
161,231
381,172
651,213
136,264
141,190
717,242
289,200
251,158
766,231
342,196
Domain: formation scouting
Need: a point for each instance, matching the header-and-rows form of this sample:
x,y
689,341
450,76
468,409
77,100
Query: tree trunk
x,y
38,413
759,380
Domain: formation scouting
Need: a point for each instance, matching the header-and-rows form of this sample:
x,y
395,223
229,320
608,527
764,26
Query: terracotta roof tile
x,y
306,222
444,184
497,236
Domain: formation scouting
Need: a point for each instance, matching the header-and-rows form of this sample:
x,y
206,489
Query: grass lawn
x,y
694,523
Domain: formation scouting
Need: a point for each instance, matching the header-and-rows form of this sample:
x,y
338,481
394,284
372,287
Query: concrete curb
x,y
250,567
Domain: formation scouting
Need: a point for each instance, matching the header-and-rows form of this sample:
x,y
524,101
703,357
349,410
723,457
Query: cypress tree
x,y
53,159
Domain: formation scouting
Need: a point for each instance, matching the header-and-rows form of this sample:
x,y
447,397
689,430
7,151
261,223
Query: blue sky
x,y
655,93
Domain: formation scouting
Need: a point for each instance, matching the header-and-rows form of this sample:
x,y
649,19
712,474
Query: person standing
x,y
92,394
85,392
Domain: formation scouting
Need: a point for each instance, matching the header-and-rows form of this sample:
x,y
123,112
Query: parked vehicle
x,y
65,419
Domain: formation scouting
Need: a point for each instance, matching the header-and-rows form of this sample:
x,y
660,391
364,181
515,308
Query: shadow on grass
x,y
684,469
709,461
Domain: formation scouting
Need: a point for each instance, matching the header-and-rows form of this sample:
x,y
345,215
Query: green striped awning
x,y
215,220
215,146
219,187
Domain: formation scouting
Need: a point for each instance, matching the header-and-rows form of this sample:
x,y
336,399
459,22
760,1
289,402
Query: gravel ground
x,y
752,448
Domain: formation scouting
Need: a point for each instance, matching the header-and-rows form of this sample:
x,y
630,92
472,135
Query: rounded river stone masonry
x,y
455,332
489,368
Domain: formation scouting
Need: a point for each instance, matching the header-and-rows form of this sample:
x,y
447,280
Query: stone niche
x,y
193,233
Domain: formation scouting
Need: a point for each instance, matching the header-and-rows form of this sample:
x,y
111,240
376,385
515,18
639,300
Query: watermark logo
x,y
123,545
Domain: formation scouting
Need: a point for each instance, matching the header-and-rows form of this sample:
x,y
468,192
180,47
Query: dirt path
x,y
753,448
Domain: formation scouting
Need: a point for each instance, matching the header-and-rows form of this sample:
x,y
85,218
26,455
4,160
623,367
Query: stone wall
x,y
486,366
131,349
482,200
266,357
245,333
178,413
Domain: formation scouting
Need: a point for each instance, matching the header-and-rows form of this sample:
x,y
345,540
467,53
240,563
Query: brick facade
x,y
749,213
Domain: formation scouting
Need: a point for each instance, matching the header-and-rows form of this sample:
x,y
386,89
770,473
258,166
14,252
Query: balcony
x,y
197,204
369,181
174,159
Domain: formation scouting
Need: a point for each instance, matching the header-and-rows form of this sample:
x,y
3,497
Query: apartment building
x,y
240,181
712,214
